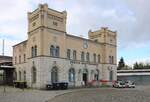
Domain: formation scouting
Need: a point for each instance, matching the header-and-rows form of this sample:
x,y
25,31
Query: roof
x,y
83,38
3,56
89,40
20,43
4,67
133,72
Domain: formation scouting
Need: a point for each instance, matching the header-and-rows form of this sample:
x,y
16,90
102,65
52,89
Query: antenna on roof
x,y
3,48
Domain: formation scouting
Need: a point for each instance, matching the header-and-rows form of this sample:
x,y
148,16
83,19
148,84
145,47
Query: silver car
x,y
119,84
129,84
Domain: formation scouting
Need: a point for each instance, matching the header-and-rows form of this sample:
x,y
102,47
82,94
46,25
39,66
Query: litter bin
x,y
63,85
49,86
20,84
56,86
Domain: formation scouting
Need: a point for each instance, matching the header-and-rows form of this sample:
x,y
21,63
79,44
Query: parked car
x,y
129,84
119,84
57,86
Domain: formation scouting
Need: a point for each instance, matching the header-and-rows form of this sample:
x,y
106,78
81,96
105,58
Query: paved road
x,y
140,94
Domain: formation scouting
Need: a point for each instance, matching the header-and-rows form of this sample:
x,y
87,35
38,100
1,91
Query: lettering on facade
x,y
85,63
74,62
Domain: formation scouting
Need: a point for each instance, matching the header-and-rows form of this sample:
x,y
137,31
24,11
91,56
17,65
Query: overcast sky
x,y
130,18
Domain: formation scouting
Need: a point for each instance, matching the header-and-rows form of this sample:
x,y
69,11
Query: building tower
x,y
109,50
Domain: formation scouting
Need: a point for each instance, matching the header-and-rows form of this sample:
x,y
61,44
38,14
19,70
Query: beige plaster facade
x,y
50,54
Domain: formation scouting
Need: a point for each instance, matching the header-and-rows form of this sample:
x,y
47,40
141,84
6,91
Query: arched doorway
x,y
111,75
85,76
97,75
71,75
54,74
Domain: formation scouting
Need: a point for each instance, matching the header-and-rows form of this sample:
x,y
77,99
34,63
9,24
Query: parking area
x,y
138,94
27,95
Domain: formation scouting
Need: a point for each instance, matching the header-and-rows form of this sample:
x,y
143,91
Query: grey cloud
x,y
129,18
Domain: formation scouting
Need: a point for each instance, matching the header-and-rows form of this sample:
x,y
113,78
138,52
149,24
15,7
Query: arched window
x,y
92,75
112,58
35,51
15,75
57,51
32,52
19,58
34,73
68,53
87,57
20,75
24,75
97,75
99,58
52,50
71,75
94,57
82,56
54,75
74,55
109,59
24,57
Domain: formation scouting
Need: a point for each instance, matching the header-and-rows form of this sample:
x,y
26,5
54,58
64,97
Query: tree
x,y
121,64
141,65
136,66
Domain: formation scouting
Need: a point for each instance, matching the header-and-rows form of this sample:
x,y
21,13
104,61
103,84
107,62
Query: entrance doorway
x,y
54,75
85,79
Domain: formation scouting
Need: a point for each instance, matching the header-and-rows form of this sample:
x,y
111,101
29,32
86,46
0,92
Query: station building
x,y
51,55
